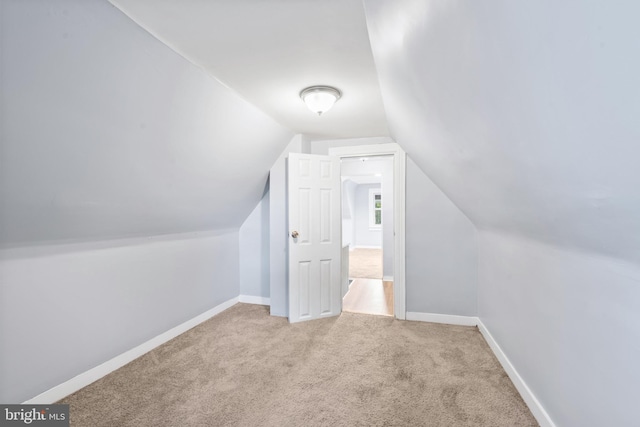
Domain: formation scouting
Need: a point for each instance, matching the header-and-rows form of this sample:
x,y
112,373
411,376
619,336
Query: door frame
x,y
399,205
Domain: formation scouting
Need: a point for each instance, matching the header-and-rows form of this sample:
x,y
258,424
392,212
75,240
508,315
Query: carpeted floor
x,y
365,263
245,368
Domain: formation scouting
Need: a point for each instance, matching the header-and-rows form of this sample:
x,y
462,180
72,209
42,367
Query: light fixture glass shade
x,y
320,99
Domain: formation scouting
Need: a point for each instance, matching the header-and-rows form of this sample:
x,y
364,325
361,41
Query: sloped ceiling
x,y
268,51
108,133
524,113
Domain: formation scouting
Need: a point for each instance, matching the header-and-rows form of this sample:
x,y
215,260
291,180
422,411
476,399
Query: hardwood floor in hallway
x,y
369,296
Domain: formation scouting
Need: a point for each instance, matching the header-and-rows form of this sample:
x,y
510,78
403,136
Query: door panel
x,y
314,254
304,216
325,216
325,286
304,277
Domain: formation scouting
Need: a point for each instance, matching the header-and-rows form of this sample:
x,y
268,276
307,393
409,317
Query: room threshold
x,y
369,296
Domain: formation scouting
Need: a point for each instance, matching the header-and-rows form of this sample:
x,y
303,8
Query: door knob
x,y
294,234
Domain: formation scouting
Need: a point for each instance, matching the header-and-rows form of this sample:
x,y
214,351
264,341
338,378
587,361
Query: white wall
x,y
65,309
523,113
569,324
106,132
348,212
441,251
121,165
322,146
365,236
254,251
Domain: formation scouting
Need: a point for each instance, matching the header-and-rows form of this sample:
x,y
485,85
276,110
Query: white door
x,y
314,237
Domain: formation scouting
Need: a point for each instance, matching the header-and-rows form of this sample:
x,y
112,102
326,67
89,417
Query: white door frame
x,y
399,196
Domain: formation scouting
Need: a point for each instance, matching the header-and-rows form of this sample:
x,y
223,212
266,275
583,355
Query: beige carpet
x,y
245,368
365,263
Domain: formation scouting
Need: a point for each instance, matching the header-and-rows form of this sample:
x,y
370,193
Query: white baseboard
x,y
387,278
84,379
364,247
530,399
250,299
448,319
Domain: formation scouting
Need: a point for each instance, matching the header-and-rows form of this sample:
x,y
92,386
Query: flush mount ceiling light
x,y
320,99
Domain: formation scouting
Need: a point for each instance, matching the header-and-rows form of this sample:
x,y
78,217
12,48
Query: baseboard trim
x,y
387,278
250,299
530,399
84,379
365,247
448,319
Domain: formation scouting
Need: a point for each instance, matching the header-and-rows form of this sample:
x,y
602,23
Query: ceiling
x,y
268,51
363,179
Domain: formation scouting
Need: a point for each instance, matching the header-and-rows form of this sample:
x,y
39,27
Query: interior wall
x,y
254,250
441,251
569,324
119,220
322,146
348,213
523,113
67,309
365,236
107,132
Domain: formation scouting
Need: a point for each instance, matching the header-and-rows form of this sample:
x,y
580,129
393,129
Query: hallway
x,y
369,296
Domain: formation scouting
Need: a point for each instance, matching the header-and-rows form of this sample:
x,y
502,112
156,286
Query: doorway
x,y
389,297
367,232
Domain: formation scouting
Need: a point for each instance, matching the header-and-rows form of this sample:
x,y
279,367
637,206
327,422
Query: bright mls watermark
x,y
34,415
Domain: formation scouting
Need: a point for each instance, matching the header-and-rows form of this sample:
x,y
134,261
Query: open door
x,y
314,237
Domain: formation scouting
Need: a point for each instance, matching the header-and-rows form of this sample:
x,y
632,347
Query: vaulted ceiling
x,y
268,51
523,113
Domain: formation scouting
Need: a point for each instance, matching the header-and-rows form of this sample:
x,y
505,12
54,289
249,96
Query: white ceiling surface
x,y
363,179
268,51
528,124
369,170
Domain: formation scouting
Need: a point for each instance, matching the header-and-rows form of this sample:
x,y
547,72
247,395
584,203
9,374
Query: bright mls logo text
x,y
39,415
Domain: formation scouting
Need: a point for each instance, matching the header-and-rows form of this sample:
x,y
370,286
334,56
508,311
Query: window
x,y
375,208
